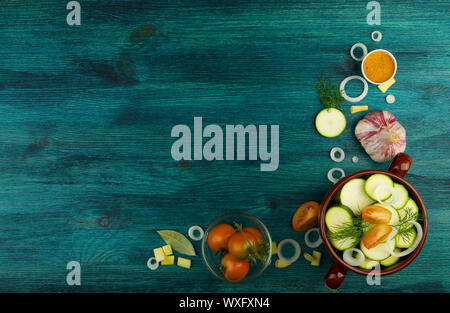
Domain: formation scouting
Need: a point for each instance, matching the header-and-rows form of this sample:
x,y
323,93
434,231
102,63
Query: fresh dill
x,y
329,94
404,228
357,227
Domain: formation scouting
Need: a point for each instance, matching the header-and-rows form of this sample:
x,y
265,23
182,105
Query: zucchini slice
x,y
369,264
407,239
403,196
336,217
354,196
330,122
380,252
376,180
409,208
343,244
391,260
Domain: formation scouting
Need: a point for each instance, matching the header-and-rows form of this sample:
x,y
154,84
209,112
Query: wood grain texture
x,y
86,115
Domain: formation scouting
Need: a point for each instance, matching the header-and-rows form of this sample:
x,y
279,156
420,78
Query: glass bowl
x,y
213,262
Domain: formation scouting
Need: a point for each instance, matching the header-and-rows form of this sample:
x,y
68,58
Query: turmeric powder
x,y
379,66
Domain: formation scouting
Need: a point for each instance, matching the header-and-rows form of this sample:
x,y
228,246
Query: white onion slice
x,y
333,154
336,169
393,197
376,35
353,99
152,263
350,260
414,245
363,48
192,230
296,246
313,244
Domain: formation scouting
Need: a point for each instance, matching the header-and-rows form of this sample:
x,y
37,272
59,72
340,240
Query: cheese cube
x,y
358,108
169,260
159,254
316,258
274,248
183,262
167,250
384,87
281,264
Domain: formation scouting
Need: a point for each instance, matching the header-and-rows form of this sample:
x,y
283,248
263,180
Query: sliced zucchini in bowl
x,y
353,195
376,180
391,260
380,252
406,240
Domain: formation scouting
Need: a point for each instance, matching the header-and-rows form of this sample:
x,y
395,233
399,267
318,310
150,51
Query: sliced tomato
x,y
306,216
376,235
376,214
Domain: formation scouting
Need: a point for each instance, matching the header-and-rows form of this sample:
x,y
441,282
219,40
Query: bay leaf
x,y
178,241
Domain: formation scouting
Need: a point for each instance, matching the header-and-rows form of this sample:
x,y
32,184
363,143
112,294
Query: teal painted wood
x,y
86,115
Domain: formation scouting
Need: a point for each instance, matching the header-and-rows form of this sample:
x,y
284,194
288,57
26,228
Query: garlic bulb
x,y
381,135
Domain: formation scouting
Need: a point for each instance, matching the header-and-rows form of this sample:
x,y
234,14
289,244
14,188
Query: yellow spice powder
x,y
379,66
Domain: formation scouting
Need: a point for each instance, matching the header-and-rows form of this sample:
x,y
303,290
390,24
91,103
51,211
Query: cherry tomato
x,y
252,230
241,244
234,269
306,216
376,235
376,214
219,235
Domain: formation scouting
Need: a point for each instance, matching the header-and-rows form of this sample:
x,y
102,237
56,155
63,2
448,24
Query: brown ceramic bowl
x,y
396,170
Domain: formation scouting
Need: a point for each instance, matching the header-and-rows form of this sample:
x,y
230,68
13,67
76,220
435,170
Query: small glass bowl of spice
x,y
379,66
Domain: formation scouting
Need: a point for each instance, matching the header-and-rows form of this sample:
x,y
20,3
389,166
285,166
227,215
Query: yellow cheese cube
x,y
316,258
183,262
274,248
384,87
159,254
281,264
358,108
308,257
167,250
169,260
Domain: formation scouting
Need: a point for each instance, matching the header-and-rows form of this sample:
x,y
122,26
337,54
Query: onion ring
x,y
152,264
313,244
353,99
393,197
333,154
378,35
414,245
296,246
358,45
335,169
192,235
350,260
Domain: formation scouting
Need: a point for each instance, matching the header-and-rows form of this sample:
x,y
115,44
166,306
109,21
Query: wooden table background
x,y
86,115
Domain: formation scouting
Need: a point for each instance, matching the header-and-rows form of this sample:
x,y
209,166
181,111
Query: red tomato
x,y
306,216
376,235
252,230
376,214
241,244
219,235
234,269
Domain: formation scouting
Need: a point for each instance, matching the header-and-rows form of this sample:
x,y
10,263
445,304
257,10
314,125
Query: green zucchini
x,y
337,216
376,180
403,196
412,208
330,122
406,240
379,252
354,196
391,260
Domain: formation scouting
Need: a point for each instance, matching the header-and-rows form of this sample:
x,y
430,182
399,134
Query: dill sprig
x,y
403,227
329,94
356,228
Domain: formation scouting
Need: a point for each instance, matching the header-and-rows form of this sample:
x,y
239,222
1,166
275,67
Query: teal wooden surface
x,y
86,115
